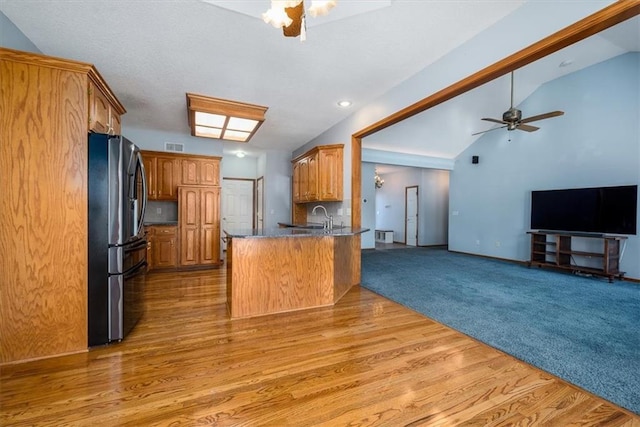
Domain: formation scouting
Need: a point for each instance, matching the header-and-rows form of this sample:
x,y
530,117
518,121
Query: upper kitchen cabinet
x,y
167,178
318,174
201,171
162,171
104,111
166,171
44,206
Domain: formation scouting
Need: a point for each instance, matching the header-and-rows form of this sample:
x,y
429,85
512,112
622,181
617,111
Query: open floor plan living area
x,y
319,213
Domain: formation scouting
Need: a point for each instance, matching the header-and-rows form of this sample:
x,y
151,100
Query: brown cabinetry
x,y
166,171
162,172
556,249
200,171
104,117
317,175
163,246
199,222
166,178
45,120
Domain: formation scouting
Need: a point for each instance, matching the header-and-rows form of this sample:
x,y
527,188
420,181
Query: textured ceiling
x,y
446,130
154,51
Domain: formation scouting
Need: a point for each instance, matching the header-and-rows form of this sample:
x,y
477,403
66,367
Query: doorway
x,y
237,205
411,216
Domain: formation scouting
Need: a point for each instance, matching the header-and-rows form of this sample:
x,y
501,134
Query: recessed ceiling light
x,y
240,154
344,103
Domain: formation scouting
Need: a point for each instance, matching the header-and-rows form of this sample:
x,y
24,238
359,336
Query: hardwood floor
x,y
365,362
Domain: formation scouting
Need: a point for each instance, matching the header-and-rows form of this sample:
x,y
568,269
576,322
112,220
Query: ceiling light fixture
x,y
290,16
344,103
223,119
240,154
378,181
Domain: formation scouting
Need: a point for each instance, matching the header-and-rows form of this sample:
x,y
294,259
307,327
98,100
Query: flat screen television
x,y
598,210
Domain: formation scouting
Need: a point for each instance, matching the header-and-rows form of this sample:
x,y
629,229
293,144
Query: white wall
x,y
13,38
596,143
235,167
528,24
275,167
151,139
433,227
433,196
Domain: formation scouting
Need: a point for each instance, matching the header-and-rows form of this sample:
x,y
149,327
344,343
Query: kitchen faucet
x,y
327,224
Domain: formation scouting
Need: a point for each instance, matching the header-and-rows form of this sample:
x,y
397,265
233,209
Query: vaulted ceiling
x,y
153,52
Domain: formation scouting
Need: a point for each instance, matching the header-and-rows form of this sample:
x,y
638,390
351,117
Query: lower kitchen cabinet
x,y
199,222
163,246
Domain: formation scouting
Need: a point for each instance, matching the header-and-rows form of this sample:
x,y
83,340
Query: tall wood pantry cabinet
x,y
199,224
48,106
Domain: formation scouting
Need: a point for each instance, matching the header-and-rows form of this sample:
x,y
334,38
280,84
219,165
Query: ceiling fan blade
x,y
495,121
527,128
485,131
542,116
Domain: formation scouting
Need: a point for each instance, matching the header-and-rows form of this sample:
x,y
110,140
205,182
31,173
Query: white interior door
x,y
237,205
411,219
259,203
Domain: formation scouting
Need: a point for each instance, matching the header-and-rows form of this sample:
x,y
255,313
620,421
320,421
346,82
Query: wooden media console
x,y
556,249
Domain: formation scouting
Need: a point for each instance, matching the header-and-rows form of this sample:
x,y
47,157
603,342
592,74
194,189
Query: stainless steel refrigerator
x,y
117,245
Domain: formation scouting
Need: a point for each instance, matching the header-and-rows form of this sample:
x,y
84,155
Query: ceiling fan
x,y
512,118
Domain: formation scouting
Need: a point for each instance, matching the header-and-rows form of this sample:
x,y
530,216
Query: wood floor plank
x,y
367,361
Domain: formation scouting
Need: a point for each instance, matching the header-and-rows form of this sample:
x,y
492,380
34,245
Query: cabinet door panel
x,y
165,252
330,174
312,178
116,124
189,218
210,226
304,179
150,172
189,246
99,110
210,200
189,207
208,243
190,172
209,172
166,178
295,191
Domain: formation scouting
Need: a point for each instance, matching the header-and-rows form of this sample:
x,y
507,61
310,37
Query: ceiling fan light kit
x,y
512,118
290,15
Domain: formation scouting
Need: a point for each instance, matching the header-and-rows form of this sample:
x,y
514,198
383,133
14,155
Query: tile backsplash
x,y
161,211
341,212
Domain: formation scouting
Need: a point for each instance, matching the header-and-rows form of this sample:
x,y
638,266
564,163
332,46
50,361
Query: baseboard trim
x,y
526,264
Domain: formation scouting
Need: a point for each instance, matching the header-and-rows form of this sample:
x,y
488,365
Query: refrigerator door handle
x,y
143,196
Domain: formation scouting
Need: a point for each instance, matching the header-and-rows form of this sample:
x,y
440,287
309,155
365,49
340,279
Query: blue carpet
x,y
584,330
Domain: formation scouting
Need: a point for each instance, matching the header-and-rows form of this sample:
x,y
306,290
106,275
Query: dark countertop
x,y
150,223
307,225
294,232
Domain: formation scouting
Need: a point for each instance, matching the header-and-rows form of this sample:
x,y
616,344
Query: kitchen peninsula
x,y
286,269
